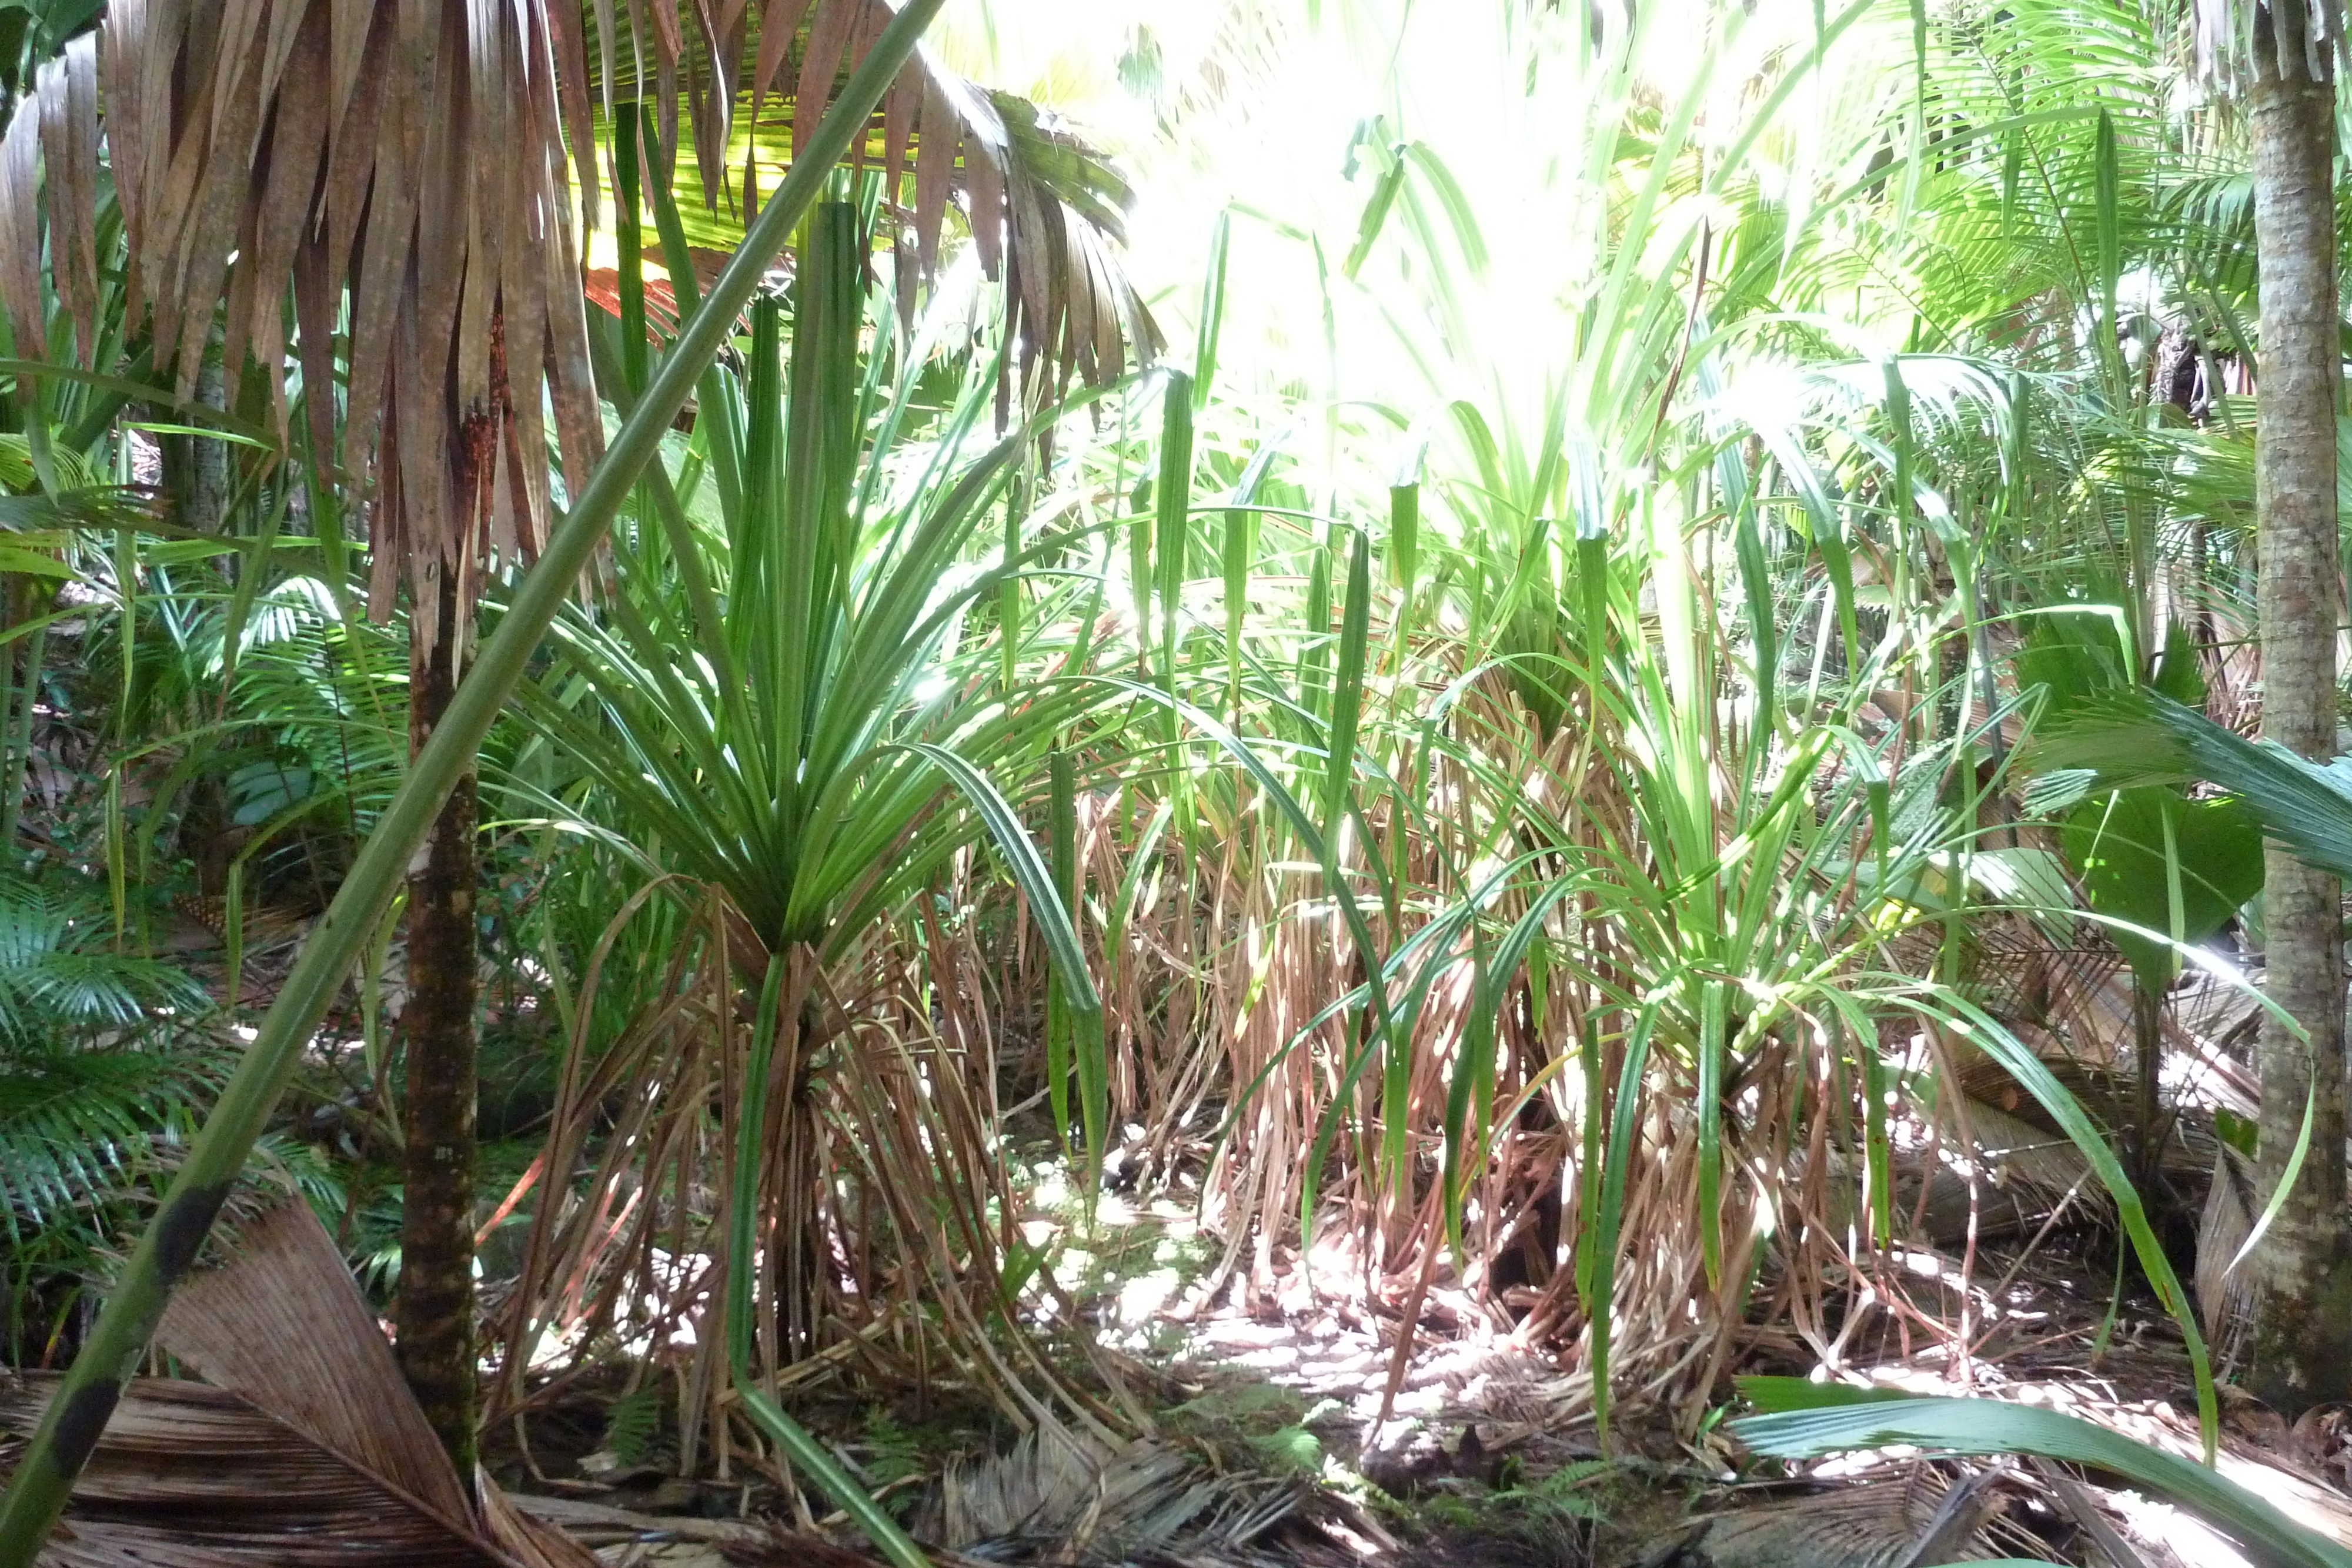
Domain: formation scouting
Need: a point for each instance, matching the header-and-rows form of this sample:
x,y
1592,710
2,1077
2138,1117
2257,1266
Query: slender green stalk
x,y
629,236
1347,695
1174,496
19,755
70,1427
1062,815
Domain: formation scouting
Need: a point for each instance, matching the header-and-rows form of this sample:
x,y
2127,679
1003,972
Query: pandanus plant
x,y
782,715
780,710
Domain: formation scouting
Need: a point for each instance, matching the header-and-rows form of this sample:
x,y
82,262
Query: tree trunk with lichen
x,y
2301,1346
435,1313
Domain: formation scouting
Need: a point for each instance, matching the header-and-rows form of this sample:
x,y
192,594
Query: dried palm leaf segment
x,y
302,1447
404,163
405,166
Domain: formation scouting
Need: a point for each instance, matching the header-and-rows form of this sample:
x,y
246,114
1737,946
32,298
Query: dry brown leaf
x,y
69,94
188,1476
283,1326
20,268
305,1447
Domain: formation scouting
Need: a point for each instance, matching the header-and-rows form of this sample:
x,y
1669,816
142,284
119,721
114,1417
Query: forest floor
x,y
1271,1449
1278,1440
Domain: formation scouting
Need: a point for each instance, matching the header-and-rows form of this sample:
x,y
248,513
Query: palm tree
x,y
407,168
2286,53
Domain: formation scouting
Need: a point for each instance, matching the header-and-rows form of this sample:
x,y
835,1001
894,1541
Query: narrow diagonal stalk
x,y
70,1429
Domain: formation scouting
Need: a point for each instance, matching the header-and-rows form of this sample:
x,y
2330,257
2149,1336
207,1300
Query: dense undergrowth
x,y
1483,787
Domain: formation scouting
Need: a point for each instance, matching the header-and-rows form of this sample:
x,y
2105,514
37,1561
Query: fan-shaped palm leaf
x,y
2144,738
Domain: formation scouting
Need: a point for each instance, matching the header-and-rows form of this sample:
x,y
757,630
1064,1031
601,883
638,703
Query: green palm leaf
x,y
1813,1420
2144,737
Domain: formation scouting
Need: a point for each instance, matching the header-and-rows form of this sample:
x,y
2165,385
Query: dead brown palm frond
x,y
2308,38
1056,1497
192,1474
1891,1524
1043,208
748,1542
282,1327
305,1449
411,160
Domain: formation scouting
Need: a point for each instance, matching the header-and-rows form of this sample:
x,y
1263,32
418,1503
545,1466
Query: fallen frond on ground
x,y
305,1446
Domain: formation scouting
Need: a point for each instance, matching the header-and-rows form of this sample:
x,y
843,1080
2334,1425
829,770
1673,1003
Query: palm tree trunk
x,y
2302,1349
2147,1057
17,602
435,1314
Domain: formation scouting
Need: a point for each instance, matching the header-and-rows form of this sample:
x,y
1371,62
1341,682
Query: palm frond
x,y
1808,1420
2144,737
414,159
75,1122
304,1446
